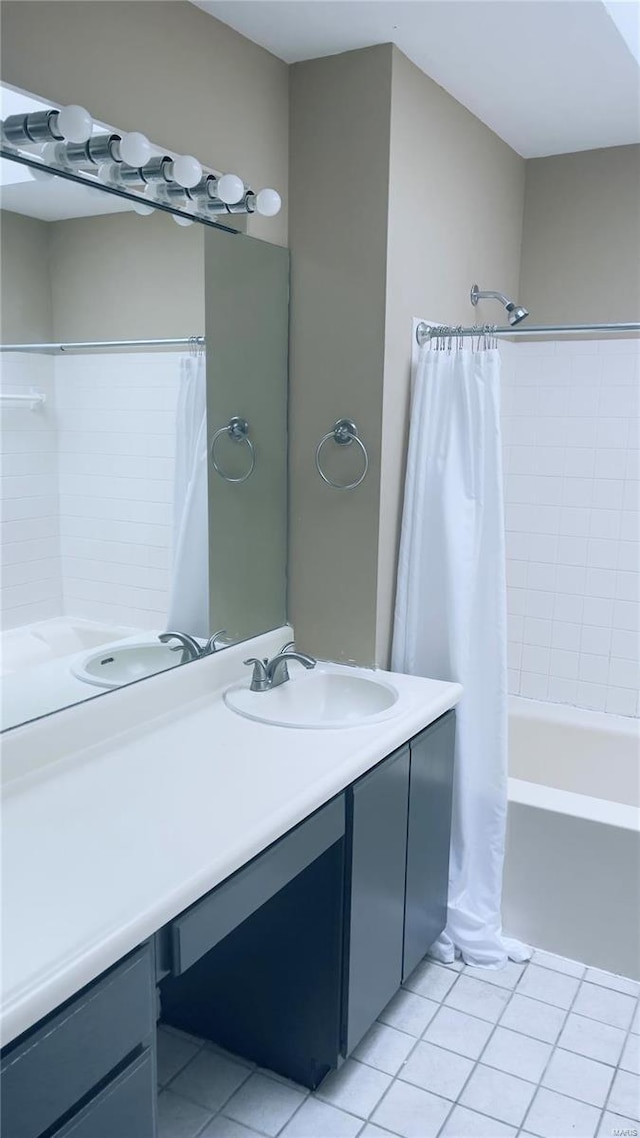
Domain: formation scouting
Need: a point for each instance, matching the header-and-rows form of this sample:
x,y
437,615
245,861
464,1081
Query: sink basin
x,y
321,698
112,666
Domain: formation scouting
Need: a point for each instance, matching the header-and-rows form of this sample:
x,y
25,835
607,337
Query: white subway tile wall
x,y
571,433
31,583
116,441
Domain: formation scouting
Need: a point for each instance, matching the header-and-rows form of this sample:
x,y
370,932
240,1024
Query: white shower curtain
x,y
450,621
189,599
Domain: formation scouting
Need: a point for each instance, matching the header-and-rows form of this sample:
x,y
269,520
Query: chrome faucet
x,y
268,674
188,645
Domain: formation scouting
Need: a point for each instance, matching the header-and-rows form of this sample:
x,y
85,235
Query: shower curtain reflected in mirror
x,y
450,620
189,599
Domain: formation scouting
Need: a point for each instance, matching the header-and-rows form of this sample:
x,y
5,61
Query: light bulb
x,y
53,154
142,209
186,171
74,123
230,189
135,148
268,202
182,220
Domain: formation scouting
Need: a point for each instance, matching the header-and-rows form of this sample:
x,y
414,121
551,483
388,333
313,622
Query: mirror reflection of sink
x,y
110,667
322,698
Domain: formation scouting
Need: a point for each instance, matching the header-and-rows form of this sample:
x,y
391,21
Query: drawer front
x,y
126,1108
208,921
55,1066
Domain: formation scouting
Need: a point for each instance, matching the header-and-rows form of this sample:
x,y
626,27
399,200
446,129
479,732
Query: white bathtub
x,y
572,866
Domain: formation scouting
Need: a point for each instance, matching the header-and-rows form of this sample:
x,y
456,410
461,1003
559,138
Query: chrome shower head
x,y
516,311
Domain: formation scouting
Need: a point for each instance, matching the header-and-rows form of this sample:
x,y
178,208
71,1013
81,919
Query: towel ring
x,y
344,432
238,430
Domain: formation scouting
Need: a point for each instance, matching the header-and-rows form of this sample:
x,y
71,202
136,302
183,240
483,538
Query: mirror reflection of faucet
x,y
191,649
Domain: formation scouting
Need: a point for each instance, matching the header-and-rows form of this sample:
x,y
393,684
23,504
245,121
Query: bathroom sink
x,y
317,699
110,667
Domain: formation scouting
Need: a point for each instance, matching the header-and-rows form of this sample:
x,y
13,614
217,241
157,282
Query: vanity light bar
x,y
130,161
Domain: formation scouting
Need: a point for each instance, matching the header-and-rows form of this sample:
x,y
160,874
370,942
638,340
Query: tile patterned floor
x,y
549,1049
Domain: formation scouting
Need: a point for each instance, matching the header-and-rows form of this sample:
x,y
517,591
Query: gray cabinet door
x,y
377,807
429,833
126,1108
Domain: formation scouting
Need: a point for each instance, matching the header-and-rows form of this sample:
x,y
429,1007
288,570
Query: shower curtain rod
x,y
183,341
426,332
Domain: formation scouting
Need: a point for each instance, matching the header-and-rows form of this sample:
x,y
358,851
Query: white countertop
x,y
103,843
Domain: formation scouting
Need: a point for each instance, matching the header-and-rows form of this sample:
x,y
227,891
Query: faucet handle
x,y
260,679
211,645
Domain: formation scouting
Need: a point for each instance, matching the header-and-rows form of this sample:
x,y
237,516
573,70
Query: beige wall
x,y
25,285
455,216
125,277
340,109
166,68
581,238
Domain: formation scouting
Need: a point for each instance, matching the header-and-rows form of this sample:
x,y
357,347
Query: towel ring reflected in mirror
x,y
344,432
237,430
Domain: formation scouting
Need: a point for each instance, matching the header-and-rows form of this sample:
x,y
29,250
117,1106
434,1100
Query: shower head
x,y
516,311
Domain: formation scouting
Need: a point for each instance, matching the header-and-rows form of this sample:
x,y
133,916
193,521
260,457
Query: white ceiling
x,y
548,76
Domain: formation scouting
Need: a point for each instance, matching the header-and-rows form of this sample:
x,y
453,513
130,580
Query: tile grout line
x,y
617,1068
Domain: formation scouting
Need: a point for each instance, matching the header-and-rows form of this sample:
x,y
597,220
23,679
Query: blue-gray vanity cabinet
x,y
125,1108
57,1068
377,807
428,838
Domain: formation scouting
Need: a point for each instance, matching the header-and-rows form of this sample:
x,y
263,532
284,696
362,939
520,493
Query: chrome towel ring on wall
x,y
344,432
237,429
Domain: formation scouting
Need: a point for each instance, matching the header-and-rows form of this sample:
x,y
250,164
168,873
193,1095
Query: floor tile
x,y
506,977
555,1116
385,1048
591,1038
631,1055
458,1032
179,1118
455,965
502,1096
477,998
613,1125
174,1052
549,986
625,1095
436,1070
540,1021
355,1087
578,1077
409,1012
517,1054
263,1104
224,1128
411,1112
209,1079
315,1118
610,980
558,963
463,1123
635,1026
604,1005
431,980
371,1131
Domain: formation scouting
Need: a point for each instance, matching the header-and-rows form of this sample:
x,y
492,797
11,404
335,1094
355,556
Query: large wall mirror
x,y
120,523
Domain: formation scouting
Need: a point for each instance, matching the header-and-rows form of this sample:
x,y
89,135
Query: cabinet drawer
x,y
207,922
57,1064
125,1108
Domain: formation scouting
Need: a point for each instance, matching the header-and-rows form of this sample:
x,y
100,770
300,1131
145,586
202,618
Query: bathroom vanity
x,y
274,887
